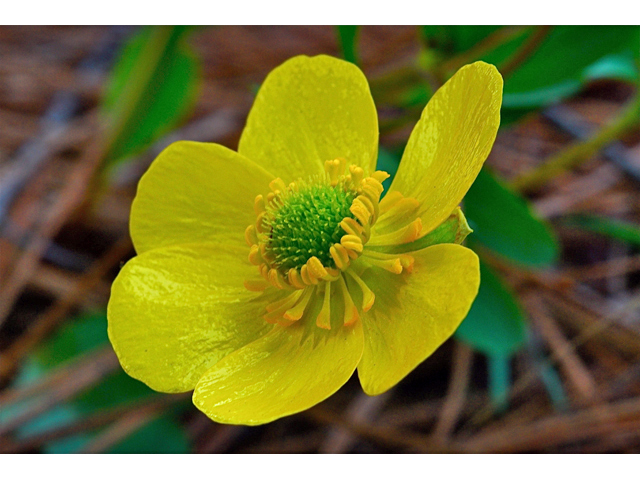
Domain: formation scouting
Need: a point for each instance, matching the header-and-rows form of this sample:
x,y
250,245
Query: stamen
x,y
350,310
389,200
277,309
324,317
295,313
352,227
351,242
332,167
258,205
397,216
273,306
357,174
277,185
250,235
360,211
315,268
254,255
306,278
404,235
368,297
295,279
256,284
392,262
276,279
340,256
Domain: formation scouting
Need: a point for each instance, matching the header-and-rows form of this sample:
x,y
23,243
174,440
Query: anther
x,y
258,205
256,285
332,167
351,242
340,256
277,185
254,255
316,268
250,235
356,174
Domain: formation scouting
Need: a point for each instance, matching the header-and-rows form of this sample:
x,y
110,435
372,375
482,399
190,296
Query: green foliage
x,y
152,89
617,229
503,222
77,338
555,68
495,324
348,37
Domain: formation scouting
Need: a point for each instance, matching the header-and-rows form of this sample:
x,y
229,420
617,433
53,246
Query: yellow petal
x,y
451,142
415,313
196,192
309,110
288,370
175,311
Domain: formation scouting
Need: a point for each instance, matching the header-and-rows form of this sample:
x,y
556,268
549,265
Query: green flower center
x,y
307,223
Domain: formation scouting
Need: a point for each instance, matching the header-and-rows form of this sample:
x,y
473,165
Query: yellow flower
x,y
333,278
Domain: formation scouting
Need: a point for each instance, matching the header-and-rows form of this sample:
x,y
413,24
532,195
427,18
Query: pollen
x,y
310,239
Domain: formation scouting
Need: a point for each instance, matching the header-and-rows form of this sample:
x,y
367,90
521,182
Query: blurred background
x,y
548,359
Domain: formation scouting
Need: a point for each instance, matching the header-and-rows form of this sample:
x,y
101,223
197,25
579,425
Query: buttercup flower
x,y
264,278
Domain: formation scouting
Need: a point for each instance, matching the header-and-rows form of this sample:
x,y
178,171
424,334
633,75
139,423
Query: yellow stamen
x,y
259,205
295,313
398,215
351,242
332,167
277,309
352,227
294,278
315,268
256,284
368,297
306,278
350,310
277,185
324,317
250,235
405,234
357,174
254,255
340,256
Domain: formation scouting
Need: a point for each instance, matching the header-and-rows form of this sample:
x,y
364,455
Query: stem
x,y
575,154
491,42
525,51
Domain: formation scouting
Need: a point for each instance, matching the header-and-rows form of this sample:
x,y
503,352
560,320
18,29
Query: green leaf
x,y
152,89
454,39
503,222
162,435
556,69
617,229
348,36
495,324
562,61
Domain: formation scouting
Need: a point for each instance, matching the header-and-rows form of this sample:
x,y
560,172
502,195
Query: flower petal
x,y
451,142
288,370
309,110
196,192
415,313
175,311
